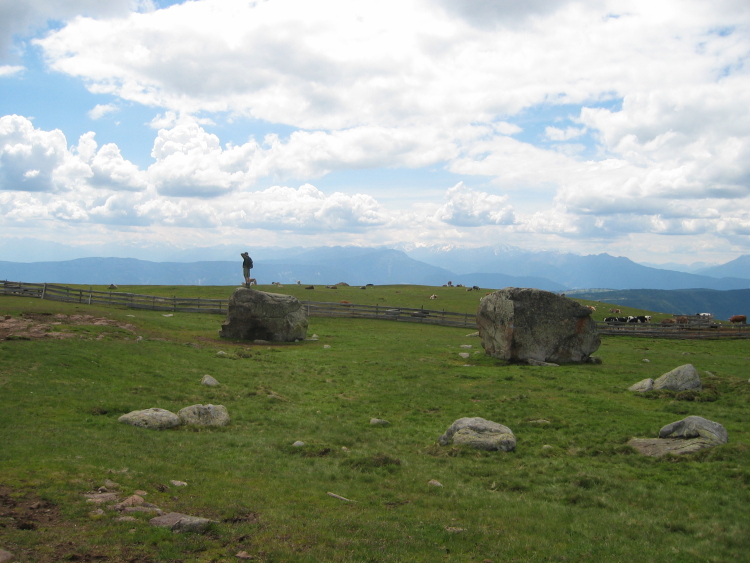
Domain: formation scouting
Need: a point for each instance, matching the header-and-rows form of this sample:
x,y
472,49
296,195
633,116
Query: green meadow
x,y
571,491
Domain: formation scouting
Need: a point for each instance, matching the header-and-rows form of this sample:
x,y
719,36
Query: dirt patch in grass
x,y
34,326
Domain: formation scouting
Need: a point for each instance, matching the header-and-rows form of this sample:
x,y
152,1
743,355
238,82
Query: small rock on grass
x,y
111,484
100,498
181,522
434,483
151,419
464,355
179,483
244,555
326,346
5,556
209,381
298,444
379,422
465,346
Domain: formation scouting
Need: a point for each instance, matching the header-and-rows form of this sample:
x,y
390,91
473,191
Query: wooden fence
x,y
696,327
55,292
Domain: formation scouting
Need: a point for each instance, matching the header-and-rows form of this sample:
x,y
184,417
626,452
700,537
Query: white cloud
x,y
468,208
10,70
100,110
555,134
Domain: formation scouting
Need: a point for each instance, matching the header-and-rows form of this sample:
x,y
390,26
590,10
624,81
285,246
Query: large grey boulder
x,y
521,324
685,436
679,379
696,427
204,415
480,434
152,419
257,315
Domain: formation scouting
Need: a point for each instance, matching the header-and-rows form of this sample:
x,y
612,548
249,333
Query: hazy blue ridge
x,y
737,268
723,304
572,270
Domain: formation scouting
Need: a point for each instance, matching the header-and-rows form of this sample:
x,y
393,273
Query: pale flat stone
x,y
181,522
464,355
179,483
657,447
480,434
642,386
209,381
434,483
151,419
298,444
379,422
204,415
100,498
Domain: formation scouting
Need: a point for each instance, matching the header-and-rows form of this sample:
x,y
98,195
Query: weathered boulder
x,y
689,435
204,415
480,434
520,324
257,315
152,419
696,427
679,379
209,381
642,386
5,556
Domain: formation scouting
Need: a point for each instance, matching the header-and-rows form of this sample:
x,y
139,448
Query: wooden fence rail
x,y
54,292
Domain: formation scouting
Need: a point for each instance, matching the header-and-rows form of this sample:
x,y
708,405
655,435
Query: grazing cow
x,y
310,287
332,287
469,289
665,322
475,288
433,296
460,285
299,282
450,284
612,320
742,319
682,320
345,302
363,287
615,311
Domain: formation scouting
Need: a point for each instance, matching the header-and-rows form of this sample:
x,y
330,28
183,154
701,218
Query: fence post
x,y
90,294
174,303
44,291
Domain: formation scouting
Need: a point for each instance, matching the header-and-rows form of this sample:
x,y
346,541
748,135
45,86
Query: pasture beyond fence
x,y
697,328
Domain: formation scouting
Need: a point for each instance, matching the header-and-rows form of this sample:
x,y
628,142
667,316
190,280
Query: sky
x,y
580,126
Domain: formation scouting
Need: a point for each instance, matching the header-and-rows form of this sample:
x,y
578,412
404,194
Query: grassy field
x,y
588,497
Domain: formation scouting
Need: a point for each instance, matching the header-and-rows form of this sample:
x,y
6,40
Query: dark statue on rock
x,y
531,325
257,315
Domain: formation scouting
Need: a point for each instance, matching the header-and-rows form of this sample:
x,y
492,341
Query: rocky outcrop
x,y
257,315
521,324
204,415
152,419
685,436
679,379
480,434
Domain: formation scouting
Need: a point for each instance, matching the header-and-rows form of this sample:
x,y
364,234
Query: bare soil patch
x,y
35,326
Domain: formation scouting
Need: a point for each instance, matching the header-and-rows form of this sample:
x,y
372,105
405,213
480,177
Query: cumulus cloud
x,y
100,110
10,70
468,208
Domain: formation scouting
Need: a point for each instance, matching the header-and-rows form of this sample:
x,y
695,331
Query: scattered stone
x,y
464,355
148,509
696,427
473,334
111,484
326,346
169,315
345,449
480,434
5,556
546,447
518,324
465,346
298,444
259,341
209,381
152,419
134,500
685,436
711,375
334,495
434,483
642,386
540,421
244,555
204,415
100,498
123,470
538,363
181,522
97,512
140,493
646,361
254,314
126,519
679,379
454,530
379,422
179,483
221,353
